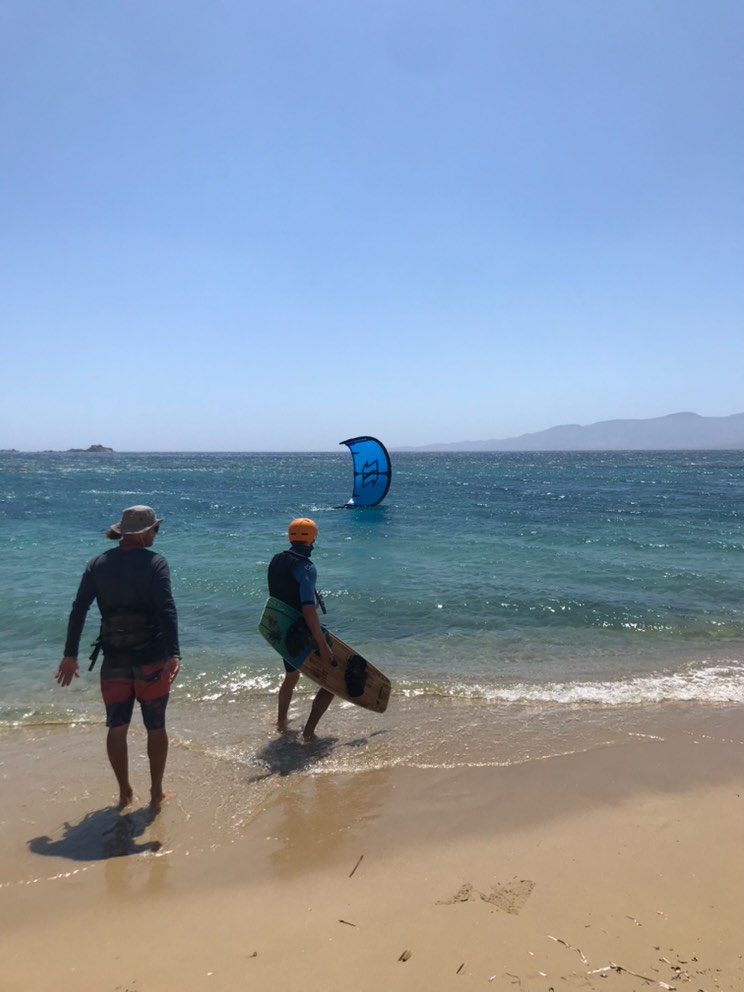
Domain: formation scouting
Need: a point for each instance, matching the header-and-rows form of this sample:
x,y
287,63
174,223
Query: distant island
x,y
675,432
94,447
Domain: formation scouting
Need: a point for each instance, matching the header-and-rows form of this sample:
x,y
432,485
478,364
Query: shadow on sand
x,y
102,834
288,754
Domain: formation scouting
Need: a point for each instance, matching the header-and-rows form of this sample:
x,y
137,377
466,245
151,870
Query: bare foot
x,y
157,799
125,798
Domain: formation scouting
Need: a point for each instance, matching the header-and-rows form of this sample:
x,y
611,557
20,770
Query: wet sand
x,y
616,868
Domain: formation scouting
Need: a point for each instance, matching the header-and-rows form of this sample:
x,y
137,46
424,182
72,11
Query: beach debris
x,y
612,966
460,968
565,943
634,920
516,978
361,857
346,922
405,956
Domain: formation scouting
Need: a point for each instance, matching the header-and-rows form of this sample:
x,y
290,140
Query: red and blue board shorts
x,y
122,684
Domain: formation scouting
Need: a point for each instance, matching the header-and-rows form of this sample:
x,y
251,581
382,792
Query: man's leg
x,y
118,755
320,704
285,695
157,754
153,703
118,696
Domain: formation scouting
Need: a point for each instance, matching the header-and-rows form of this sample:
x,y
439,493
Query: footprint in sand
x,y
509,896
463,894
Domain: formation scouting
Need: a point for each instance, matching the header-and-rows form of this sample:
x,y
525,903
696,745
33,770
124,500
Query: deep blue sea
x,y
516,601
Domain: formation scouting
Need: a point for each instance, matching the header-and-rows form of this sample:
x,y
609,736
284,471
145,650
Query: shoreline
x,y
538,874
415,731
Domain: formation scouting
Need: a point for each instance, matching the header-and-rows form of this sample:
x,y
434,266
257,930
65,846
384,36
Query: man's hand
x,y
68,669
325,652
172,667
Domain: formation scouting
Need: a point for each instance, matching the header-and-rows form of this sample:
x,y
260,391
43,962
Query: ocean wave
x,y
717,683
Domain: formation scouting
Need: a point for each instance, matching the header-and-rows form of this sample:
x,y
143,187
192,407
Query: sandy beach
x,y
616,868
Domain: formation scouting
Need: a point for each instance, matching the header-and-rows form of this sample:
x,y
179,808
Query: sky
x,y
255,226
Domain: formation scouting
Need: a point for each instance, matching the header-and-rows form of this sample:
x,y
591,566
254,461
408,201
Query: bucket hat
x,y
136,520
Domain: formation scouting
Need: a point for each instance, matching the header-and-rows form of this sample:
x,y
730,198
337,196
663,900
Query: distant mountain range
x,y
677,431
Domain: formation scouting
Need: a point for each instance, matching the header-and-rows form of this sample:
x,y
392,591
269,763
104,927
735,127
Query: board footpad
x,y
298,637
355,675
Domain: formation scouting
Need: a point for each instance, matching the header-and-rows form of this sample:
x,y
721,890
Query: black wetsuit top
x,y
133,591
292,577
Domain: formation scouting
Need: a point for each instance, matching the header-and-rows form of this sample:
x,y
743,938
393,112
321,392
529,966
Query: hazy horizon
x,y
647,428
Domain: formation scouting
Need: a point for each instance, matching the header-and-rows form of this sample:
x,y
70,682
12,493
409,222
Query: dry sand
x,y
616,869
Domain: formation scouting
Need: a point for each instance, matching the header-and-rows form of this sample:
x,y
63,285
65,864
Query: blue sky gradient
x,y
249,226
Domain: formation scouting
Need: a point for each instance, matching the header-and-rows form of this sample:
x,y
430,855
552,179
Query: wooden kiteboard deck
x,y
349,676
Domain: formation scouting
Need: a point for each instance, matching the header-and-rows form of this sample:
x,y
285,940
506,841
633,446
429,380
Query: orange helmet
x,y
302,531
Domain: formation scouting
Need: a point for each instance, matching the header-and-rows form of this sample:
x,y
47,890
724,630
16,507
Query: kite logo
x,y
370,473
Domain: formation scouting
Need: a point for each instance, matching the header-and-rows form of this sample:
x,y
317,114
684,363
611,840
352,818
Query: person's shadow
x,y
288,755
101,834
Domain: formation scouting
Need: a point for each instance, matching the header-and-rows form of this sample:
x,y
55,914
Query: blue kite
x,y
372,471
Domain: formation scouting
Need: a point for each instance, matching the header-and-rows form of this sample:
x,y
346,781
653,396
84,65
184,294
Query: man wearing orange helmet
x,y
292,579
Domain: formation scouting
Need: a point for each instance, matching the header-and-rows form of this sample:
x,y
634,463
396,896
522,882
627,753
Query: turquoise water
x,y
484,584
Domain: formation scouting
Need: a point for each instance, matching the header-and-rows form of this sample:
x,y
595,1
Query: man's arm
x,y
310,615
305,574
68,667
165,608
80,605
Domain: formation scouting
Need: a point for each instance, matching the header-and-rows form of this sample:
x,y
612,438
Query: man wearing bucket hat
x,y
292,578
138,638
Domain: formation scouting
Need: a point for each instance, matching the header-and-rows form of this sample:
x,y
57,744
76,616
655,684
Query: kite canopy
x,y
371,471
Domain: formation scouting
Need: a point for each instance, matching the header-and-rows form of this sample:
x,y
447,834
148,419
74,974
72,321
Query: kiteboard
x,y
349,675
